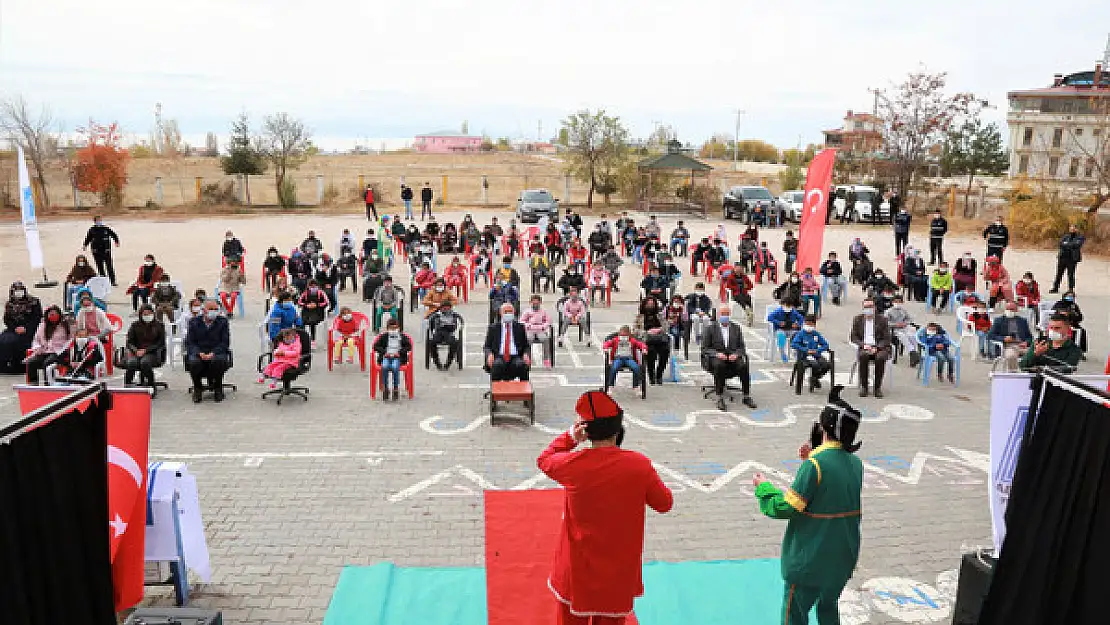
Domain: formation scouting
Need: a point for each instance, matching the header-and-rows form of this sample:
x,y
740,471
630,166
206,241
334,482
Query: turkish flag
x,y
128,445
811,234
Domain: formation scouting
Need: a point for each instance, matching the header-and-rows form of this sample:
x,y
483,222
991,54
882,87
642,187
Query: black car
x,y
532,204
740,202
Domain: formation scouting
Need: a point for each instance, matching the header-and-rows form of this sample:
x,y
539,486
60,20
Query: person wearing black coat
x,y
997,236
145,349
22,316
100,238
938,227
1071,253
901,231
208,351
232,248
507,358
425,201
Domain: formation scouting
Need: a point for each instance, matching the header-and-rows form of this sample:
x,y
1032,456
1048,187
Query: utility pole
x,y
736,142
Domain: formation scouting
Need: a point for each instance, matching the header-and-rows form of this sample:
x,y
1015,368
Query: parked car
x,y
862,210
791,203
740,202
532,204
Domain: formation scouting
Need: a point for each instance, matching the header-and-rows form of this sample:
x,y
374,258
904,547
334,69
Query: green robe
x,y
821,545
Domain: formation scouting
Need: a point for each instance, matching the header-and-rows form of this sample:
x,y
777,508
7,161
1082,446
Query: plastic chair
x,y
607,288
958,298
640,377
55,374
360,338
967,327
825,289
1044,311
584,325
283,272
924,368
239,300
407,372
797,372
462,289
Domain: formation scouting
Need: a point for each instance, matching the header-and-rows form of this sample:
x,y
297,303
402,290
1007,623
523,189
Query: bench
x,y
504,391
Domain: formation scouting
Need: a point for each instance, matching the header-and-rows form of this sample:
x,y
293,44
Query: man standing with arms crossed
x,y
1071,252
596,573
101,237
822,509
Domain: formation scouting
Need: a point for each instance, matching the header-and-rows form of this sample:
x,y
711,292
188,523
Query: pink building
x,y
446,142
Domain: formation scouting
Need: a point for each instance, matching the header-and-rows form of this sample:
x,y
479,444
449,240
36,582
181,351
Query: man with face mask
x,y
232,249
101,238
312,246
1055,349
1012,330
901,229
443,325
506,347
724,355
438,296
997,236
680,240
146,342
823,510
872,338
812,352
207,351
699,307
596,573
903,327
283,315
599,242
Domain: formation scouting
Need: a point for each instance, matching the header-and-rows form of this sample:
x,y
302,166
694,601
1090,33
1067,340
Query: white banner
x,y
1010,397
27,208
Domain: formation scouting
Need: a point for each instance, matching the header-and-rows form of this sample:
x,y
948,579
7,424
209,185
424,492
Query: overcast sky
x,y
368,68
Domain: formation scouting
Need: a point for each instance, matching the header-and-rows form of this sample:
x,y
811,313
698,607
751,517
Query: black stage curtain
x,y
1052,568
54,546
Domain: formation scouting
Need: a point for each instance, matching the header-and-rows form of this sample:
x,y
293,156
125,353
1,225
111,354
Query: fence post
x,y
76,195
241,190
443,194
319,189
159,198
485,189
361,183
566,188
952,201
198,179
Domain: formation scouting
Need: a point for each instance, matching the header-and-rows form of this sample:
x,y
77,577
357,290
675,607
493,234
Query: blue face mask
x,y
723,319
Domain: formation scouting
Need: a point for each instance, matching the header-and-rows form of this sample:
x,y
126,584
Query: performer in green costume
x,y
822,509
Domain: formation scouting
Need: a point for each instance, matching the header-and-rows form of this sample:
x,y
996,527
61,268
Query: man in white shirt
x,y
507,348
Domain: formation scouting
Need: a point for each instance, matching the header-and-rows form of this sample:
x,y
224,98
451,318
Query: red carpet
x,y
521,532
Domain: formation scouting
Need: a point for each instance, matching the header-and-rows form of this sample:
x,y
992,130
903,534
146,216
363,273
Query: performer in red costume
x,y
596,572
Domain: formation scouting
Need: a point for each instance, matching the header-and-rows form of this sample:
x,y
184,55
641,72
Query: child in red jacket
x,y
625,352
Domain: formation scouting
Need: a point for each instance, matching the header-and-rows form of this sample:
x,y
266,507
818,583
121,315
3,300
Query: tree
x,y
1094,149
597,144
285,143
244,153
718,146
660,138
101,165
792,177
971,149
916,116
31,133
758,151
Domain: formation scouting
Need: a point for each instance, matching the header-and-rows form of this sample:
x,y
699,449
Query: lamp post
x,y
736,142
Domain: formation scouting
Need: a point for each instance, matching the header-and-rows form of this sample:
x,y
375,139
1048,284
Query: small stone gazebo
x,y
672,165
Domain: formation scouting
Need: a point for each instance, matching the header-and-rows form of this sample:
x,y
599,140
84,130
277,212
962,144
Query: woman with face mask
x,y
80,274
314,305
145,349
393,349
22,315
51,339
149,274
652,329
89,317
272,267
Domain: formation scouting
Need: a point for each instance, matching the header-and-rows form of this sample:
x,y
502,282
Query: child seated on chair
x,y
231,283
424,278
596,280
625,352
80,358
981,322
347,329
537,326
393,350
785,321
676,318
812,352
454,274
1029,294
165,299
574,311
937,344
287,355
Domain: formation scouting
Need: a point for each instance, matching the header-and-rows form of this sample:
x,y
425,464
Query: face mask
x,y
98,223
229,238
1069,298
1028,280
211,314
148,318
81,342
1053,335
878,276
809,328
723,319
967,256
53,317
699,292
347,317
868,312
314,289
394,334
793,280
87,308
149,263
19,294
535,307
273,255
508,317
439,289
931,332
1010,314
196,309
787,309
507,266
289,340
897,305
81,263
942,271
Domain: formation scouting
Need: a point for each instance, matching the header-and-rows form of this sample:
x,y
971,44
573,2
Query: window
x,y
1023,164
1057,138
1053,166
1078,132
1097,132
1073,168
1089,170
1027,140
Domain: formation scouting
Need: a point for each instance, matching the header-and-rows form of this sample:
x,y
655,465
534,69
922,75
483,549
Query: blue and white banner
x,y
27,209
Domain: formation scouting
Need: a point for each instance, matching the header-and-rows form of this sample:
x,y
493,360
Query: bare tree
x,y
31,132
1093,149
285,143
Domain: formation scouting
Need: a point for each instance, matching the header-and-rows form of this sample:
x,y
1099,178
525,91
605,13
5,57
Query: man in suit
x,y
207,349
871,336
507,348
1012,330
723,354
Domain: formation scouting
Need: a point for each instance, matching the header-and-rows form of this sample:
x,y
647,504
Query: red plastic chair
x,y
360,338
406,370
709,271
773,270
462,289
400,250
109,343
283,272
242,261
608,289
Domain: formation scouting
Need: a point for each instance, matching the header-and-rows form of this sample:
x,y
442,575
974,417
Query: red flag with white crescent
x,y
128,446
811,233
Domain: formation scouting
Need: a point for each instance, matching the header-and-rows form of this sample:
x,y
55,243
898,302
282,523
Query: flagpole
x,y
30,222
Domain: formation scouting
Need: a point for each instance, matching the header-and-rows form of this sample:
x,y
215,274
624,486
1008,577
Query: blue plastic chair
x,y
949,305
927,360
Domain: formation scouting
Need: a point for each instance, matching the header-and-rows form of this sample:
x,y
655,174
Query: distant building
x,y
446,142
861,132
1056,131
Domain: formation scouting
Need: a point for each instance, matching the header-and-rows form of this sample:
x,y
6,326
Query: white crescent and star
x,y
820,199
123,460
118,527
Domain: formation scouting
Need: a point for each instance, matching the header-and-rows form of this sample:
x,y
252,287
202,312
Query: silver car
x,y
792,203
532,204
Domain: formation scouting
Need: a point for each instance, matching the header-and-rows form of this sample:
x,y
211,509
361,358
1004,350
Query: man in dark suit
x,y
1012,330
723,354
207,349
507,348
871,336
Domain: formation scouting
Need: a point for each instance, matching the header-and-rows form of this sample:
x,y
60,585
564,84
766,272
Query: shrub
x,y
219,193
1043,217
287,193
331,195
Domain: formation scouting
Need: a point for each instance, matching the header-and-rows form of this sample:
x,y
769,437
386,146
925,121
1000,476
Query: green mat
x,y
727,592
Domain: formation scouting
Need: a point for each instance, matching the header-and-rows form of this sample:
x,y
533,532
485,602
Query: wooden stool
x,y
512,391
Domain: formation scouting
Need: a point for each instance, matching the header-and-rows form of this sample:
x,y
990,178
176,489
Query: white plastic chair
x,y
967,328
1044,311
770,345
175,342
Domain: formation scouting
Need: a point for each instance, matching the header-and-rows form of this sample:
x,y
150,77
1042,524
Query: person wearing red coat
x,y
596,573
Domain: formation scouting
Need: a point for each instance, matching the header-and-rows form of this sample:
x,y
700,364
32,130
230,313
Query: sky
x,y
355,68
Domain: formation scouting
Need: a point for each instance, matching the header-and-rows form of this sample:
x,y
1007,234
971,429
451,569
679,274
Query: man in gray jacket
x,y
723,354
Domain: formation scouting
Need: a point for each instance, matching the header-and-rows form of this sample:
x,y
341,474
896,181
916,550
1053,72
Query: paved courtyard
x,y
292,493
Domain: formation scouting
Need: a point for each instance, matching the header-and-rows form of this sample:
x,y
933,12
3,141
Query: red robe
x,y
598,562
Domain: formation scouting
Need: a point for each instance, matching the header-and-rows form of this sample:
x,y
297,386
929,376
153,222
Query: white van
x,y
862,210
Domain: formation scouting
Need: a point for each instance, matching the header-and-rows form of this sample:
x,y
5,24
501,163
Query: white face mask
x,y
868,312
148,263
87,308
931,332
1053,335
20,294
809,328
1010,314
347,317
148,318
81,342
229,238
195,309
211,314
439,289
